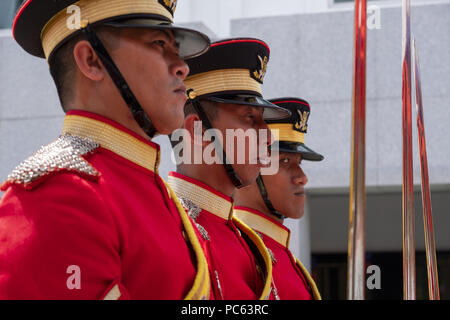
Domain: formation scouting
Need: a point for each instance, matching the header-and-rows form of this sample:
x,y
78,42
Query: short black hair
x,y
211,108
62,68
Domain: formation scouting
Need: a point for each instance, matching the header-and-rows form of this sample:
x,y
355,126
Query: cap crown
x,y
231,66
300,111
239,53
42,25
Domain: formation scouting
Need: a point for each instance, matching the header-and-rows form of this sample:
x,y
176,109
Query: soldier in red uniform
x,y
87,216
224,89
264,204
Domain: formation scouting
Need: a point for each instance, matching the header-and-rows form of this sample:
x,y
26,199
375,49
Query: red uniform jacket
x,y
240,265
291,279
88,217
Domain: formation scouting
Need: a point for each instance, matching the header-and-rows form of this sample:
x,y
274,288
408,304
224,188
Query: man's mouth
x,y
180,90
299,193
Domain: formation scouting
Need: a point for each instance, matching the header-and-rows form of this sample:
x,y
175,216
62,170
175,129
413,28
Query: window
x,y
7,10
330,273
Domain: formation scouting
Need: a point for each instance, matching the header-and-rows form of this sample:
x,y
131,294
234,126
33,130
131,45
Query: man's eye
x,y
161,43
284,160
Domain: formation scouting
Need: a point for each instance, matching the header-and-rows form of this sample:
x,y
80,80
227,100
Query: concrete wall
x,y
329,221
311,57
218,14
30,115
7,8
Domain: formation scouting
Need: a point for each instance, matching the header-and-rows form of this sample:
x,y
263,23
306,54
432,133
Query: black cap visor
x,y
292,147
191,43
271,111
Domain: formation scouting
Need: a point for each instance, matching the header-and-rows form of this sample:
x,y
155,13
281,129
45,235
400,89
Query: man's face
x,y
239,119
286,189
149,61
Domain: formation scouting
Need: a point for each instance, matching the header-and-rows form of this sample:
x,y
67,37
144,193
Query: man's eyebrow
x,y
166,34
170,38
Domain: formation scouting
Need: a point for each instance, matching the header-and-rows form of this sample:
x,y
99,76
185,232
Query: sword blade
x,y
409,257
356,239
433,283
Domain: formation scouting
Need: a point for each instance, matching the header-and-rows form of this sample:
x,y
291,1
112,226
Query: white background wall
x,y
217,14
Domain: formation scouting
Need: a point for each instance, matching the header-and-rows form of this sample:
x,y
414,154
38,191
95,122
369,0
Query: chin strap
x,y
138,113
207,124
265,196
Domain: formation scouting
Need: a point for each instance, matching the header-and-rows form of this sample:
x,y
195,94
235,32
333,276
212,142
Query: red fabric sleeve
x,y
62,223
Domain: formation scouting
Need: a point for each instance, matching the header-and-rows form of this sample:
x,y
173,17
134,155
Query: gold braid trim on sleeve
x,y
310,280
201,287
257,241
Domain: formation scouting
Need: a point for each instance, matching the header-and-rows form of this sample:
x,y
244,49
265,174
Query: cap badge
x,y
170,5
258,75
301,123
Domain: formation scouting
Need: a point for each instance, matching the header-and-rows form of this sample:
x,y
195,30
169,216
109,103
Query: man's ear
x,y
191,123
88,61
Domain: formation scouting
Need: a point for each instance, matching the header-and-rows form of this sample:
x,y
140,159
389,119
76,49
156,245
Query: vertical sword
x,y
356,235
409,258
433,283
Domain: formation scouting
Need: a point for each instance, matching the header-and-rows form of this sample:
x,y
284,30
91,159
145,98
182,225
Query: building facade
x,y
311,45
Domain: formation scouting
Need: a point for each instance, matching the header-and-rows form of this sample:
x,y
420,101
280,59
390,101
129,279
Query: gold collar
x,y
202,195
264,224
113,137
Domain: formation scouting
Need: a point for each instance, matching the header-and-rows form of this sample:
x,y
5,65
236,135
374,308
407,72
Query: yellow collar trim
x,y
202,197
113,139
89,11
276,231
222,80
284,132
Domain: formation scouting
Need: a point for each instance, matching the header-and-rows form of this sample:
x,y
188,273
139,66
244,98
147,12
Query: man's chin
x,y
176,122
293,213
300,215
296,213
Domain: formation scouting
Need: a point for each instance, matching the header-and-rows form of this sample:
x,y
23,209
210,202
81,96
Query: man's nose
x,y
179,68
300,177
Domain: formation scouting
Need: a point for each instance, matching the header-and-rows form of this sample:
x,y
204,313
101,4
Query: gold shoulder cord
x,y
310,280
264,254
201,288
